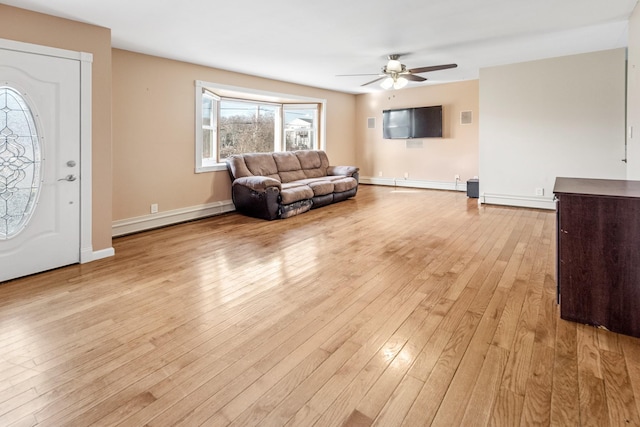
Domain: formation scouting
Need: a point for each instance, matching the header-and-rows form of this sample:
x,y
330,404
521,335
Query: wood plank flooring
x,y
400,307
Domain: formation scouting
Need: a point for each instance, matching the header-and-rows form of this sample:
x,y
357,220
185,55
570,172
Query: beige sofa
x,y
284,184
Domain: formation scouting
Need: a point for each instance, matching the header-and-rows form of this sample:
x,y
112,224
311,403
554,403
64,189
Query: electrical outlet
x,y
380,173
539,191
406,175
457,177
154,208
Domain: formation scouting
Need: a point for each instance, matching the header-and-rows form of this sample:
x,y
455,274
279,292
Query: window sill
x,y
212,168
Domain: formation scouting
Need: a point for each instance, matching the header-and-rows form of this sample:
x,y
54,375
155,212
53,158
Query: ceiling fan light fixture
x,y
400,83
394,65
387,83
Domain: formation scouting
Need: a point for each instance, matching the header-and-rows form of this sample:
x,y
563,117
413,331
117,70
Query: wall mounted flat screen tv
x,y
407,123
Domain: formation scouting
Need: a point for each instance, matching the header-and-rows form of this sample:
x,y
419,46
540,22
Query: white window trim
x,y
214,123
260,95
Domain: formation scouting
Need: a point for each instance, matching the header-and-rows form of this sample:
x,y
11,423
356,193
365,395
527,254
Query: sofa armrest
x,y
257,196
342,170
258,183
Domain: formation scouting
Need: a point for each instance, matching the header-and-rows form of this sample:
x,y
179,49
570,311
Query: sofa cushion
x,y
291,194
342,170
333,178
309,159
257,183
344,184
237,167
321,187
262,164
287,161
292,175
314,173
289,167
293,184
314,163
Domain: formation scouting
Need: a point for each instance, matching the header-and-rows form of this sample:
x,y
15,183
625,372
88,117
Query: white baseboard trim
x,y
175,216
103,253
519,201
377,181
415,183
88,254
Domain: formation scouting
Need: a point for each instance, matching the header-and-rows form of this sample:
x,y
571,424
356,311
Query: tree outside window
x,y
246,127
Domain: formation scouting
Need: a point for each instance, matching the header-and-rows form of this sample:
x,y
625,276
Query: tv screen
x,y
407,123
396,124
427,122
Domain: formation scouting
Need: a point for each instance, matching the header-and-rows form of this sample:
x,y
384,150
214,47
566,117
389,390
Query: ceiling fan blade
x,y
432,68
373,81
355,75
413,77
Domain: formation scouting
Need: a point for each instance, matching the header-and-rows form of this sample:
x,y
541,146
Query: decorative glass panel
x,y
20,163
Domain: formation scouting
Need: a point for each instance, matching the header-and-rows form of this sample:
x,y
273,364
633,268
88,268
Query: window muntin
x,y
215,141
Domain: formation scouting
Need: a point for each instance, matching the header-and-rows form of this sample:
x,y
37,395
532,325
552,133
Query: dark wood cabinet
x,y
598,252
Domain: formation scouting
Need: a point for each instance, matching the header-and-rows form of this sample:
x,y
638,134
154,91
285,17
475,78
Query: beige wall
x,y
154,131
440,159
554,117
30,27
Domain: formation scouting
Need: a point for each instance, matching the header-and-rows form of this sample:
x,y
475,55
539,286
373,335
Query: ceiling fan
x,y
396,75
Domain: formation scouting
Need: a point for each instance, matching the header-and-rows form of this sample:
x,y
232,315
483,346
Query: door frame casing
x,y
85,60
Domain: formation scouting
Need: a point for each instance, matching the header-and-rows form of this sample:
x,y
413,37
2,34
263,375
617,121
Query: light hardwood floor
x,y
399,307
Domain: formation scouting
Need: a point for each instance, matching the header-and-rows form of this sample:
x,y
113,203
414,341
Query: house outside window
x,y
237,120
300,128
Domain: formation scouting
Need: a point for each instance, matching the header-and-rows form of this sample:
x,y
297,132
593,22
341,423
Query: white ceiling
x,y
310,42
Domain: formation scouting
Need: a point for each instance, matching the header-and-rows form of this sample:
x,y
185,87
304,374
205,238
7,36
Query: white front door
x,y
39,163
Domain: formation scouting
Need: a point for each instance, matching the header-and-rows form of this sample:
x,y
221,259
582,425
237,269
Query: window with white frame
x,y
300,126
233,120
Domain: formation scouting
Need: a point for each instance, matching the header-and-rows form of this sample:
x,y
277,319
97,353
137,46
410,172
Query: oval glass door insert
x,y
20,163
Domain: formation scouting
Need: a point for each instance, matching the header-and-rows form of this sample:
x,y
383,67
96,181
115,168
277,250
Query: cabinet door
x,y
599,261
